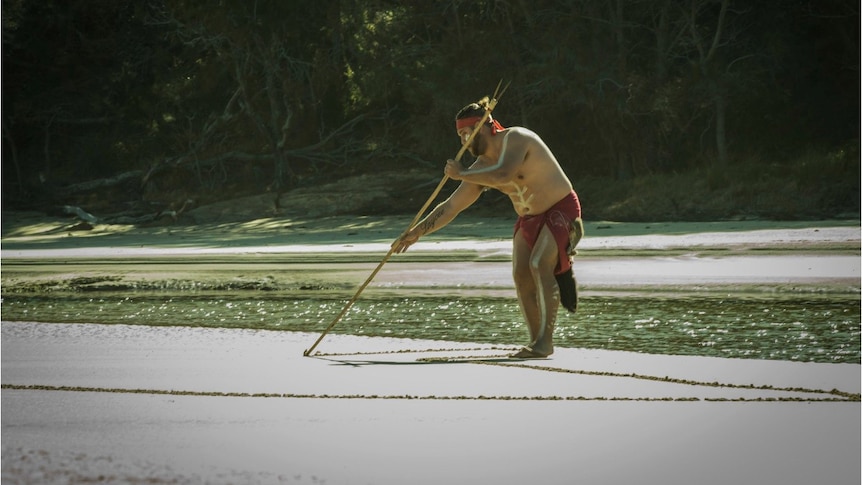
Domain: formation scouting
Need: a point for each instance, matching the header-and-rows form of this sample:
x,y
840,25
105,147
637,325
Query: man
x,y
517,162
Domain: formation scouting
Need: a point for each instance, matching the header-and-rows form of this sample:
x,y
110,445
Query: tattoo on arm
x,y
432,219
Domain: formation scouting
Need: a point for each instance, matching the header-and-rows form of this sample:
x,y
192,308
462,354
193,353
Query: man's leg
x,y
538,294
525,285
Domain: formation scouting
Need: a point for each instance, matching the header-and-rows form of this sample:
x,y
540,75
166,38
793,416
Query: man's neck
x,y
495,145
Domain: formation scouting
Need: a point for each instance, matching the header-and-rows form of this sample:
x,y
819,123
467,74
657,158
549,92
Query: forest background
x,y
657,109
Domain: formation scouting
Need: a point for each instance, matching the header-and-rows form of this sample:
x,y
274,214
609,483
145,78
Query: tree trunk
x,y
720,125
15,161
662,42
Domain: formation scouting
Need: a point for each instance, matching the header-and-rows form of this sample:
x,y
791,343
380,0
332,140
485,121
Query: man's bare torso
x,y
537,181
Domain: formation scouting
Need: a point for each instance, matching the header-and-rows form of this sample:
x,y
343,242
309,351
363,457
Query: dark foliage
x,y
168,100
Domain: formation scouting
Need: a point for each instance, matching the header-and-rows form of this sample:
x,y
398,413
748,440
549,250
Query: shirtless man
x,y
517,162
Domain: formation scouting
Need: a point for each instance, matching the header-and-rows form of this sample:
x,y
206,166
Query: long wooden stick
x,y
491,105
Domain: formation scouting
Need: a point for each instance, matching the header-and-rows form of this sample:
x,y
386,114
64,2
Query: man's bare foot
x,y
528,353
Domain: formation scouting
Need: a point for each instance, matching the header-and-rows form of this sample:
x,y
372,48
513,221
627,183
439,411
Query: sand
x,y
192,405
133,404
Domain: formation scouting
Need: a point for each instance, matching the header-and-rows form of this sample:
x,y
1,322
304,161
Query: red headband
x,y
472,120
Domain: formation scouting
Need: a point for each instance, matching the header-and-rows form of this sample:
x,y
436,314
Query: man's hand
x,y
453,169
405,241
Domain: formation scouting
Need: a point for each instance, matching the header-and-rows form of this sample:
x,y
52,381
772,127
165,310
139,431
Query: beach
x,y
113,403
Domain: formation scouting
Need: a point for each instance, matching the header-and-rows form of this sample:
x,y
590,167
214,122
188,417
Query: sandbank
x,y
118,404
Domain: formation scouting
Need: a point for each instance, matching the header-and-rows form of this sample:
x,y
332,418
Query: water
x,y
787,328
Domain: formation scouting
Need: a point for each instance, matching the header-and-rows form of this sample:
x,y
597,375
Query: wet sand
x,y
121,404
471,252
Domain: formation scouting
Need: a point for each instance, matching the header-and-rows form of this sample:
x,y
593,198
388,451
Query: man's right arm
x,y
464,196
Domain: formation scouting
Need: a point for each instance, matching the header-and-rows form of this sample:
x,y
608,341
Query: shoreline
x,y
472,253
364,233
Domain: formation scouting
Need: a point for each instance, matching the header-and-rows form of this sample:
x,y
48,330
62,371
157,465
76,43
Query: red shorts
x,y
559,220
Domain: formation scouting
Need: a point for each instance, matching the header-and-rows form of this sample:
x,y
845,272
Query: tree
x,y
706,46
243,96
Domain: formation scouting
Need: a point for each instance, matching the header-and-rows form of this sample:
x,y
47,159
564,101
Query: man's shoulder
x,y
520,132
